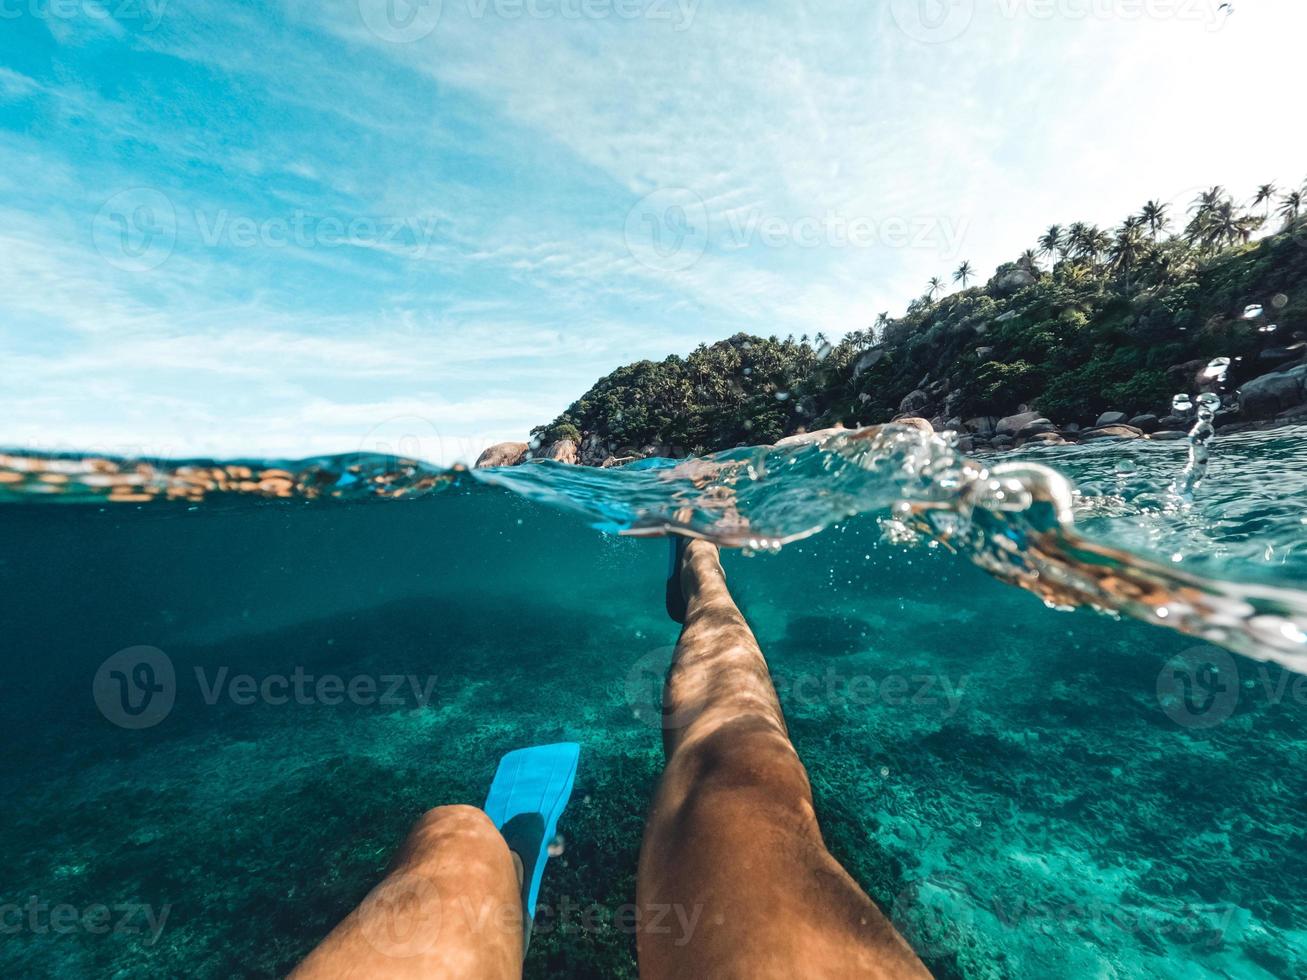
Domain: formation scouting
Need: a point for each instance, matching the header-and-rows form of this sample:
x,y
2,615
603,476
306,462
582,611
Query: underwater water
x,y
1027,736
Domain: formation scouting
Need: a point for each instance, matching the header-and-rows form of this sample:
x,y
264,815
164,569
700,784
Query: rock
x,y
594,450
563,451
1146,422
1185,377
981,424
1002,442
966,445
1281,355
914,422
1169,436
1047,439
1013,424
1036,427
1111,418
1272,393
953,403
502,454
1111,432
1173,422
914,402
1295,414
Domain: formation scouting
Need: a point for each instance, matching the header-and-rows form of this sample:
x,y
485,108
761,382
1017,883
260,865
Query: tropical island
x,y
1088,334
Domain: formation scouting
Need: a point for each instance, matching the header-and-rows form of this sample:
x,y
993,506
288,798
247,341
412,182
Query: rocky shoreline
x,y
1268,401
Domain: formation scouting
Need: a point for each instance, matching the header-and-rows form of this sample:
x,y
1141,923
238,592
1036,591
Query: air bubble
x,y
1217,369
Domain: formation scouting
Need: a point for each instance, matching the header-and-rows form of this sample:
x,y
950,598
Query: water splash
x,y
1015,520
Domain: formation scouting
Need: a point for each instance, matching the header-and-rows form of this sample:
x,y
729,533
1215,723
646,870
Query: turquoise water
x,y
1030,792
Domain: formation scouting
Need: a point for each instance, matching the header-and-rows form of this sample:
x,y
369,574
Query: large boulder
x,y
1111,418
1013,424
914,402
1146,422
1111,432
502,454
1036,427
563,451
1271,394
1046,439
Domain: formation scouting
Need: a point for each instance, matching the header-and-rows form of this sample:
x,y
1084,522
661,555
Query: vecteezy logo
x,y
401,917
933,21
645,683
136,229
1199,688
668,229
400,21
136,687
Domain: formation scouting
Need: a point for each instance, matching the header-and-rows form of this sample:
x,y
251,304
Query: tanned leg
x,y
449,909
735,880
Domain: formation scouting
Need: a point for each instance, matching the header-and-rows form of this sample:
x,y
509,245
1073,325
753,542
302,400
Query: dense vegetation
x,y
1087,321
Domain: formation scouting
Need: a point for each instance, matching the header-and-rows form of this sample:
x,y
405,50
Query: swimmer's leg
x,y
735,880
450,908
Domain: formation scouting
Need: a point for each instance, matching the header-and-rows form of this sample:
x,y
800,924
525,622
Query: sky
x,y
297,227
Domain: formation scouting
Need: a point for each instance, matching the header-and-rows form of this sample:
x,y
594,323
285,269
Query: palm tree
x,y
1154,215
935,285
1029,261
1076,236
1127,248
1266,195
1053,244
1090,242
1291,207
964,274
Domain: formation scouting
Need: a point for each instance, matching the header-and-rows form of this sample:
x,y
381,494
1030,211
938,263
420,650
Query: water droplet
x,y
1209,401
884,770
782,396
1181,404
1126,466
1217,369
1292,633
1252,311
1280,301
1177,557
1269,328
1163,612
824,351
557,846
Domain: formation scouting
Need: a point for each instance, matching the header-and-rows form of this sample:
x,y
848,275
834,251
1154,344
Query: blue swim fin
x,y
530,790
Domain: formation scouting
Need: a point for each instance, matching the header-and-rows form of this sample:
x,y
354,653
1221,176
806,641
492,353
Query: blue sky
x,y
305,226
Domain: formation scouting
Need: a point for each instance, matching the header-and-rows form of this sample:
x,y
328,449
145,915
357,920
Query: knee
x,y
745,764
443,824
